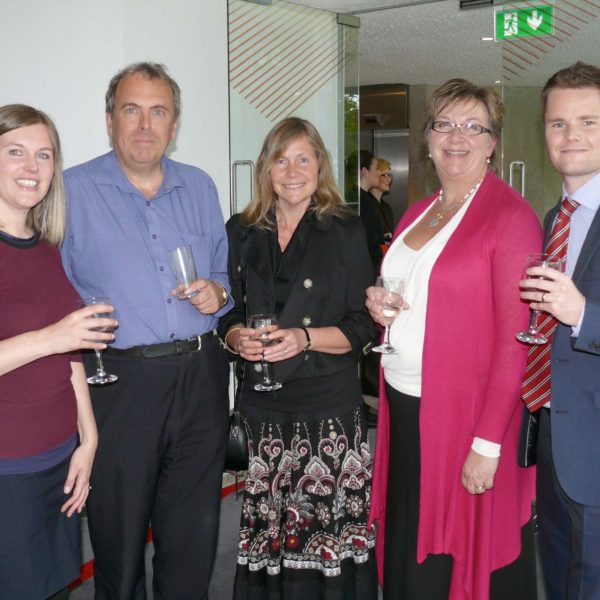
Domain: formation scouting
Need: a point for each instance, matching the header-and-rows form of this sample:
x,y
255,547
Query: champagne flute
x,y
101,377
264,324
390,306
533,335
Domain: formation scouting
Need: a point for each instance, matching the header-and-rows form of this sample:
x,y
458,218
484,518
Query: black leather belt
x,y
176,347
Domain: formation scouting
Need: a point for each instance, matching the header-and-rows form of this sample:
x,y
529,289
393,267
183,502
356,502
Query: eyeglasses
x,y
464,128
388,176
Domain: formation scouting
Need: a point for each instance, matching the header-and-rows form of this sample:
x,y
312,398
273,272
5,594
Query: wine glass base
x,y
531,338
385,348
187,296
268,387
102,379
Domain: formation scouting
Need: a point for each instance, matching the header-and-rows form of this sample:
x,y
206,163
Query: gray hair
x,y
152,71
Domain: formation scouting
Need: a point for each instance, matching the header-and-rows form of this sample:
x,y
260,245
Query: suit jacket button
x,y
307,283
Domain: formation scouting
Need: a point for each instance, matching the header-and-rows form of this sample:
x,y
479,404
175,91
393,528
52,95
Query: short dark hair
x,y
577,76
366,159
152,71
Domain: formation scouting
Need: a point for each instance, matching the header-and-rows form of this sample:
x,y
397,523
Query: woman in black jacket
x,y
298,253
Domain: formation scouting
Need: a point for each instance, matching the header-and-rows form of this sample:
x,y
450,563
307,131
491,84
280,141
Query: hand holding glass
x,y
264,324
184,270
533,335
389,298
101,377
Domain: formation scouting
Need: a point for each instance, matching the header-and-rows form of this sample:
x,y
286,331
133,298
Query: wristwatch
x,y
308,342
223,292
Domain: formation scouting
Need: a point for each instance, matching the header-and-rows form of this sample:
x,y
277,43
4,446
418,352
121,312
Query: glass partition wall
x,y
527,63
286,59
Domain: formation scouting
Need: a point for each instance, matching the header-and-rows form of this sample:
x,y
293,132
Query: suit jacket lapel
x,y
589,248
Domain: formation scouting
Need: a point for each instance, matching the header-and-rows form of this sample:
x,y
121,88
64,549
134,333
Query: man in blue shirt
x,y
162,425
568,449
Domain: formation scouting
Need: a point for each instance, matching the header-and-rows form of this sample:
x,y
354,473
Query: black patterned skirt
x,y
303,532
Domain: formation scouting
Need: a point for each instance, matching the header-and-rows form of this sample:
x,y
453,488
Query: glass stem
x,y
99,364
533,321
266,373
387,335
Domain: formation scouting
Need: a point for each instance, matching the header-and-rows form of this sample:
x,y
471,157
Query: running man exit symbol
x,y
524,22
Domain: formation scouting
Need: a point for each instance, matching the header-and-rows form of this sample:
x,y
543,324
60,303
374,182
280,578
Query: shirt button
x,y
147,203
169,300
153,236
161,268
172,336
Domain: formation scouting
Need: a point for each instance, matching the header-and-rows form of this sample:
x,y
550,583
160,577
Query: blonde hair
x,y
383,164
48,217
327,199
461,90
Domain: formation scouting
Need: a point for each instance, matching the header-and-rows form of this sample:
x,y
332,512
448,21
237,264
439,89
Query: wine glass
x,y
264,324
533,335
389,289
101,377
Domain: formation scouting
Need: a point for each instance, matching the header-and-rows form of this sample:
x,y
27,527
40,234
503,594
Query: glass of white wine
x,y
101,377
264,324
533,335
390,299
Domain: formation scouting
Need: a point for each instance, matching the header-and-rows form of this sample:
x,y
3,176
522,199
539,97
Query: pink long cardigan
x,y
472,371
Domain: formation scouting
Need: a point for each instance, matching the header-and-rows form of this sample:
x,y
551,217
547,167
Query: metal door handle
x,y
517,164
233,205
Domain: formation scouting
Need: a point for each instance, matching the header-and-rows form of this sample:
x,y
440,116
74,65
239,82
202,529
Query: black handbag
x,y
236,450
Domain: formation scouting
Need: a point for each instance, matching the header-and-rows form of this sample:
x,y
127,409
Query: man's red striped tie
x,y
535,389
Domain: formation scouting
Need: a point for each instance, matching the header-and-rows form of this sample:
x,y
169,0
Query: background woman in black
x,y
297,252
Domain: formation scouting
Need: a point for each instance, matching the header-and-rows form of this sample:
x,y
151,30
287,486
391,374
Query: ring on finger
x,y
480,488
544,296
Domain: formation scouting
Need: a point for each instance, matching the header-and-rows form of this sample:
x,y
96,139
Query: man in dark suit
x,y
568,452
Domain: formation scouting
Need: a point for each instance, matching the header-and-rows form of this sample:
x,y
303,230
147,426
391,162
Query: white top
x,y
403,370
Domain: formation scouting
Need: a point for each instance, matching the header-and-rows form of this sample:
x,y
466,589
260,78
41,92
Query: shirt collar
x,y
110,172
588,194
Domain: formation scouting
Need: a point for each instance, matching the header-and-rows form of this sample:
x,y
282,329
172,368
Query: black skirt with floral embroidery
x,y
303,533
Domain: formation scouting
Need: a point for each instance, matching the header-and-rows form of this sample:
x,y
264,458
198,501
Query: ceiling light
x,y
487,39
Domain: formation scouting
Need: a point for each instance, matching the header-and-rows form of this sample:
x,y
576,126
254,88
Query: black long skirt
x,y
404,578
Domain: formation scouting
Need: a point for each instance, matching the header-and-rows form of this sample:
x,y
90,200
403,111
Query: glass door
x,y
527,63
286,59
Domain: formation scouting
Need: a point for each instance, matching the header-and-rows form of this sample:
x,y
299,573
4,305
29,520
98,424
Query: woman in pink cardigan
x,y
448,497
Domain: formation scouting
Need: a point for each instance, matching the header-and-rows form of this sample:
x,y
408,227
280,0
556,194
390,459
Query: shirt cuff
x,y
577,328
486,448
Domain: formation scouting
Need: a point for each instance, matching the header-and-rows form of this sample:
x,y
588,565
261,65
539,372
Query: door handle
x,y
233,205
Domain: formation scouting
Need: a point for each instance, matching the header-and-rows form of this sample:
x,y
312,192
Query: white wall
x,y
59,55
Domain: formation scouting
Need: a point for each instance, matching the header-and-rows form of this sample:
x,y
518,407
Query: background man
x,y
568,454
162,426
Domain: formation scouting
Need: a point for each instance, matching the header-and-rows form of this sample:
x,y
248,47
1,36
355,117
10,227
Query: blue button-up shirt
x,y
118,242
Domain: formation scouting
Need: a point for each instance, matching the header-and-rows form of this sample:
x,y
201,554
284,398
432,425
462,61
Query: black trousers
x,y
162,431
569,532
403,577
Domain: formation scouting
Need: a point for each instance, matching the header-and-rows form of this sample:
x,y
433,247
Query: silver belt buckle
x,y
199,338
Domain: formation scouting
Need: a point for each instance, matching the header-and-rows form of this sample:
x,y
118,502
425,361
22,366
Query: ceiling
x,y
430,41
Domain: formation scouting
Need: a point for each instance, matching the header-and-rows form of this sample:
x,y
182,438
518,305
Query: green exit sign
x,y
524,22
